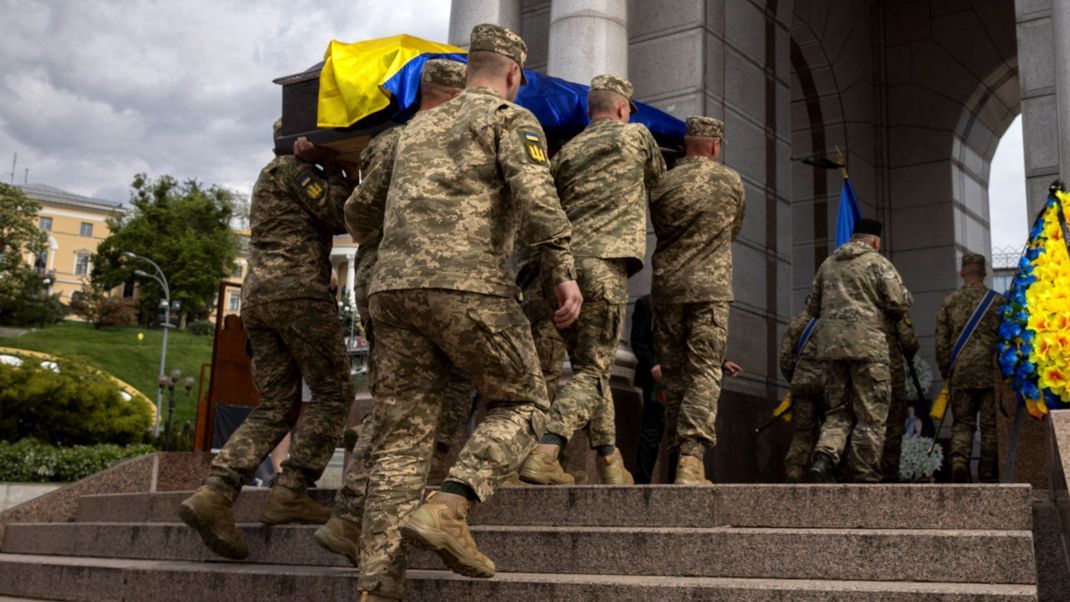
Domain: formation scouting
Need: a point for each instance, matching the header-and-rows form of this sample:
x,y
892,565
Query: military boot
x,y
822,470
211,516
370,597
612,471
291,506
439,525
542,467
960,472
690,470
341,536
795,474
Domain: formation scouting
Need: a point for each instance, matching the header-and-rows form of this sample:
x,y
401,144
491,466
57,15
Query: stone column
x,y
351,276
466,14
1060,16
588,38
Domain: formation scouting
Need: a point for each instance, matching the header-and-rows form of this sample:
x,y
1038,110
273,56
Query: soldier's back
x,y
697,211
976,362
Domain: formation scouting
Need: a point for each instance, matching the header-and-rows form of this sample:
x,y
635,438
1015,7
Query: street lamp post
x,y
162,281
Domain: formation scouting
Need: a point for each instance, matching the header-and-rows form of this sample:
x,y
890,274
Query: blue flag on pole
x,y
849,213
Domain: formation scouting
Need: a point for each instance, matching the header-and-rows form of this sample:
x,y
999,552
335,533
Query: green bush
x,y
75,406
201,328
30,461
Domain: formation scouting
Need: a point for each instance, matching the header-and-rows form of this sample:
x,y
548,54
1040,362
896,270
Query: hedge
x,y
31,461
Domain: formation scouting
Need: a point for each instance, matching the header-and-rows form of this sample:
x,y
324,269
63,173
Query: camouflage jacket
x,y
464,177
604,177
697,211
379,149
902,341
977,361
807,375
855,290
296,210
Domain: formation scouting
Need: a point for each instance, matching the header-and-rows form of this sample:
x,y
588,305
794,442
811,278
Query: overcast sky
x,y
94,91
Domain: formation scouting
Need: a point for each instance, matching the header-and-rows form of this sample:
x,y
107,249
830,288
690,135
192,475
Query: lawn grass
x,y
119,352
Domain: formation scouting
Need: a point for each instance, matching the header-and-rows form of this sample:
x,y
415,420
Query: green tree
x,y
185,228
19,237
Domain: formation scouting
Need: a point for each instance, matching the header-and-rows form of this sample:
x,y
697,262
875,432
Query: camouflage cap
x,y
276,128
499,40
705,127
973,258
445,73
614,84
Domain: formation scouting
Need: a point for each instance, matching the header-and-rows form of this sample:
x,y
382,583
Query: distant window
x,y
235,302
40,262
237,271
81,265
46,224
87,230
128,289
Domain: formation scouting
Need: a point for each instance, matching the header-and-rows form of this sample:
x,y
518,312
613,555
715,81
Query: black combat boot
x,y
822,470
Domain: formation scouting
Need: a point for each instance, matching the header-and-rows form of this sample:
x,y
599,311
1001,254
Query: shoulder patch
x,y
311,185
534,147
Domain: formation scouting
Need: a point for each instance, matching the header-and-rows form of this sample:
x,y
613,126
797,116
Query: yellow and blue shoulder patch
x,y
313,186
534,147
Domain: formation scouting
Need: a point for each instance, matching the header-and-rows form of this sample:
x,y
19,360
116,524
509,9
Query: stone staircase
x,y
726,542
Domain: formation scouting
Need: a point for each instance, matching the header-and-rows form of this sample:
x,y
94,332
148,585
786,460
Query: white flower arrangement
x,y
925,378
915,462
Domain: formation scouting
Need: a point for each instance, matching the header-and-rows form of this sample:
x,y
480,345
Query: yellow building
x,y
75,225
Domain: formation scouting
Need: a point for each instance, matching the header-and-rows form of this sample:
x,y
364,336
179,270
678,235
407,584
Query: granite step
x,y
78,579
984,556
991,507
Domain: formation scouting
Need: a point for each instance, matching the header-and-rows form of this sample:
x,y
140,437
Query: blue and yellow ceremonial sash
x,y
940,405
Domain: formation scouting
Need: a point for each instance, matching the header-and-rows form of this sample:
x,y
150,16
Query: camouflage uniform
x,y
902,346
603,176
463,178
855,290
292,323
807,378
972,380
697,213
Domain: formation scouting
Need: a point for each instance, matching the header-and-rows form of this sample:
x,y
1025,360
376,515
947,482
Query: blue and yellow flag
x,y
379,80
849,213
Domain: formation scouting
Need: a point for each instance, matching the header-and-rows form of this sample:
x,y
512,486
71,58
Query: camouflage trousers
x,y
896,422
456,407
290,340
689,342
586,400
420,336
967,403
549,344
806,417
857,394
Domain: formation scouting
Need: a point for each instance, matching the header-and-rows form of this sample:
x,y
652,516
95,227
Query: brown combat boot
x,y
542,468
612,471
370,597
960,472
439,525
210,515
341,536
691,471
291,506
795,474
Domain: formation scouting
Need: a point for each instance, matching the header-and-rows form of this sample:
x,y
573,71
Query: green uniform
x,y
464,179
902,346
292,323
697,212
972,380
807,378
855,290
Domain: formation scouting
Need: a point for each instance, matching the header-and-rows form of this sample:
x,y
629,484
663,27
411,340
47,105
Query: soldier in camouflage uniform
x,y
441,81
854,292
697,213
464,178
292,323
603,177
902,347
807,377
972,378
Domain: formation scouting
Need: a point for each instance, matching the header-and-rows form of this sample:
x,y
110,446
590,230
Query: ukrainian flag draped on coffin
x,y
379,80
